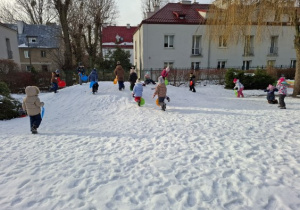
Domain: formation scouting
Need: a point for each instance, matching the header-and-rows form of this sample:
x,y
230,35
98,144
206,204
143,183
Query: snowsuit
x,y
282,91
165,72
132,78
192,83
120,73
137,92
148,80
240,87
54,82
81,72
161,92
32,105
271,94
93,77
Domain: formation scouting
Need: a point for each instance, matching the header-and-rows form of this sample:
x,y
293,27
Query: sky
x,y
208,150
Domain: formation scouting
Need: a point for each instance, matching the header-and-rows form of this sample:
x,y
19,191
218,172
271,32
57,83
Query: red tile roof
x,y
178,13
109,34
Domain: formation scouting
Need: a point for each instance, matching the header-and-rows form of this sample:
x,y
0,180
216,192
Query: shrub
x,y
258,80
9,107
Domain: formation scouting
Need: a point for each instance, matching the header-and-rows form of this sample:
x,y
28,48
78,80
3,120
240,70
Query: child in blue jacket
x,y
271,94
137,91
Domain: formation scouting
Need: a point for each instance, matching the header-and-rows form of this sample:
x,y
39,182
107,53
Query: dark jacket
x,y
271,94
133,77
81,70
192,78
93,77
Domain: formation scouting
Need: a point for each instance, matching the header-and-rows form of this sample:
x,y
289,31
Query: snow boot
x,y
34,129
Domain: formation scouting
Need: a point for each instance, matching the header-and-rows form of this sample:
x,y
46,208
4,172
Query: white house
x,y
9,44
176,35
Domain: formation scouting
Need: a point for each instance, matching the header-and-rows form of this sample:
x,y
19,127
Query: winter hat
x,y
161,80
280,80
234,80
138,81
57,71
118,62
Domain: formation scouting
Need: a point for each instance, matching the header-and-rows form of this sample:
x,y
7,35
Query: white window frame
x,y
26,54
169,63
222,42
247,64
196,45
271,63
293,63
169,41
221,64
32,40
195,65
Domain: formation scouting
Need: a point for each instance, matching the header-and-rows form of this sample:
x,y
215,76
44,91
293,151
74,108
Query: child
x,y
93,77
282,91
148,80
165,72
32,105
239,86
137,91
132,78
270,94
54,82
192,82
81,72
161,91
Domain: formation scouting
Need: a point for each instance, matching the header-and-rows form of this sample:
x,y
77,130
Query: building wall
x,y
151,53
37,61
6,33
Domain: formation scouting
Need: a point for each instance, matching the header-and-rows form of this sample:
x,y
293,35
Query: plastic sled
x,y
166,82
115,81
142,101
84,78
157,102
43,112
61,84
92,83
235,92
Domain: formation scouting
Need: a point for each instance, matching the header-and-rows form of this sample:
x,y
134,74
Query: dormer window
x,y
32,40
179,15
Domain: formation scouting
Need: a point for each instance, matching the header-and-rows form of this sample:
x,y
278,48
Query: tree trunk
x,y
297,72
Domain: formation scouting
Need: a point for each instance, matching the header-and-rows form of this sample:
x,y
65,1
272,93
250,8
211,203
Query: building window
x,y
26,54
9,52
221,64
246,65
32,40
271,63
293,64
28,68
43,53
169,41
196,49
274,45
222,42
248,48
195,65
170,64
44,68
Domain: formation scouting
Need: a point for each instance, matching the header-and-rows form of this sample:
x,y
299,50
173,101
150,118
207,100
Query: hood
x,y
32,91
161,80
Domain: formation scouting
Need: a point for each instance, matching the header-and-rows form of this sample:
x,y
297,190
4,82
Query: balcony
x,y
273,51
196,51
249,51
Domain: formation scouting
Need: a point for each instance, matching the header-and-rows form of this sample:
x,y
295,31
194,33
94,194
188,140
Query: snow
x,y
208,150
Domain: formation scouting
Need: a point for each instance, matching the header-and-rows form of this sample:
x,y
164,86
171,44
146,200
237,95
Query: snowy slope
x,y
209,150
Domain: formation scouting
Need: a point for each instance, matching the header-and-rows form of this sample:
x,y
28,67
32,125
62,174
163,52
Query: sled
x,y
43,112
115,81
142,101
166,82
92,83
84,78
157,102
235,92
61,84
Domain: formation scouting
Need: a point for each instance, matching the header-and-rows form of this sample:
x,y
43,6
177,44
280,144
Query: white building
x,y
176,35
9,44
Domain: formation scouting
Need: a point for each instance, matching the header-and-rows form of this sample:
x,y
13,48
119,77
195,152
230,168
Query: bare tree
x,y
150,5
236,19
62,10
29,11
100,12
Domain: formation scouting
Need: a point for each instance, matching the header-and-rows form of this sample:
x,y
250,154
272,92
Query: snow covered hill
x,y
208,150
